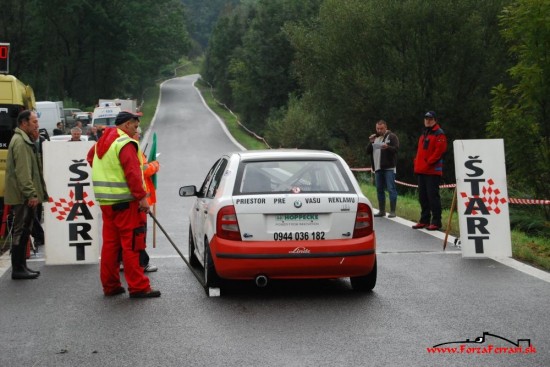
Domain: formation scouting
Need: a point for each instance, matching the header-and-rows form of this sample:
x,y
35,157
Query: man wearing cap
x,y
119,188
428,165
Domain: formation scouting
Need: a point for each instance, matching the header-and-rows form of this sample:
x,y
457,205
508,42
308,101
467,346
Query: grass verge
x,y
230,120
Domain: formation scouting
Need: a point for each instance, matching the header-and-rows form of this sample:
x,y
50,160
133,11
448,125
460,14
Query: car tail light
x,y
363,221
227,226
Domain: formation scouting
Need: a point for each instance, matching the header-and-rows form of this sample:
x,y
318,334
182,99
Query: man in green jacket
x,y
24,189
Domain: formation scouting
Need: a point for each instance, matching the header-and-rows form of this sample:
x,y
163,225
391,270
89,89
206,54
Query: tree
x,y
225,40
521,114
365,60
85,50
260,71
203,16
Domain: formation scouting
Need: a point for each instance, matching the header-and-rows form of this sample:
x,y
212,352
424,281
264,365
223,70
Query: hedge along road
x,y
424,296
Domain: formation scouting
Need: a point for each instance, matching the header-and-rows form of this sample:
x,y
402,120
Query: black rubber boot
x,y
32,271
18,270
381,210
19,260
24,260
393,204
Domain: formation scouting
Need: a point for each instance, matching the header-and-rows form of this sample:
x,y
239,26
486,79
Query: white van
x,y
49,114
104,116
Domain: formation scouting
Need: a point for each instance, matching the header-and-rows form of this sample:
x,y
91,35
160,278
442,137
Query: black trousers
x,y
37,230
23,218
430,201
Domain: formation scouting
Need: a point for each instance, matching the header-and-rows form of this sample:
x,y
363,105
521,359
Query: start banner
x,y
71,216
482,198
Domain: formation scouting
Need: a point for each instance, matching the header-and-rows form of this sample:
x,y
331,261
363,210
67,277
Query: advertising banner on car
x,y
71,216
482,197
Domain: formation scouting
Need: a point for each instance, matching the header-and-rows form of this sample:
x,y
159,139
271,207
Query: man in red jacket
x,y
428,165
120,190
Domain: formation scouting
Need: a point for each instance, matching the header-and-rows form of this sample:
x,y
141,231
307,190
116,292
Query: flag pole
x,y
154,226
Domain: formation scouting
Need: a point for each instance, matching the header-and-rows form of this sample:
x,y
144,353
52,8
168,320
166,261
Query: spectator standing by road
x,y
59,129
119,188
24,189
428,165
383,147
76,133
93,135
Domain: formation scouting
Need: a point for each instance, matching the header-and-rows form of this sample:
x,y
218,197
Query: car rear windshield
x,y
292,176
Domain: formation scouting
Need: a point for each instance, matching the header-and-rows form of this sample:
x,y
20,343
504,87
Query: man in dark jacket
x,y
383,147
24,189
428,165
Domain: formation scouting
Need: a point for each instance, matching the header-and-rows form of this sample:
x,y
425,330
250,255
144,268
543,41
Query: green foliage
x,y
521,114
294,127
260,71
203,15
225,41
249,57
86,50
362,61
532,249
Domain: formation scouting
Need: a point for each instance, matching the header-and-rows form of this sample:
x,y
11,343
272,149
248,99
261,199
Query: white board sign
x,y
71,216
482,198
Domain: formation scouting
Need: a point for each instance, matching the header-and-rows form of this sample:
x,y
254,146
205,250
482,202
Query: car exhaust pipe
x,y
261,281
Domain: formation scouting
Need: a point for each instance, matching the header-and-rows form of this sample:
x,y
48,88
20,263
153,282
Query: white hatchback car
x,y
282,214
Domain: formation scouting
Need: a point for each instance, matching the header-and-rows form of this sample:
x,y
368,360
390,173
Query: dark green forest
x,y
313,73
320,73
81,50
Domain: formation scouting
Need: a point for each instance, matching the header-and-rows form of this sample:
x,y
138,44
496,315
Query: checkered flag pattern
x,y
62,207
490,197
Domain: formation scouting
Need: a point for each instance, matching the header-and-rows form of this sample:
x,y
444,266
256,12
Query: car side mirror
x,y
190,190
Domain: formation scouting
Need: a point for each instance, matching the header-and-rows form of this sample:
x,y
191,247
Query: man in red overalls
x,y
119,188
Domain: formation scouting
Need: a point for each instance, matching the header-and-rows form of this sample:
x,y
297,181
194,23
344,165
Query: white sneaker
x,y
150,269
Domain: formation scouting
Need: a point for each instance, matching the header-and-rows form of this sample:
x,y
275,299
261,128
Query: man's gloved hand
x,y
151,168
155,164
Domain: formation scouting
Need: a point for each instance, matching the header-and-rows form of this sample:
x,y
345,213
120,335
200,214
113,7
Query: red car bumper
x,y
294,259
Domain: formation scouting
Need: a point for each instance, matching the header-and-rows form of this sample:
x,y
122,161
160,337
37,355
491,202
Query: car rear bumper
x,y
294,259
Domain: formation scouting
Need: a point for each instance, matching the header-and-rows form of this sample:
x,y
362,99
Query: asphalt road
x,y
424,296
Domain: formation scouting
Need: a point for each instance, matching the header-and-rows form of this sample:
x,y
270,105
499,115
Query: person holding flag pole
x,y
150,168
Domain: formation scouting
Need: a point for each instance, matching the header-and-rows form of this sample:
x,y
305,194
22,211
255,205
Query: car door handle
x,y
347,234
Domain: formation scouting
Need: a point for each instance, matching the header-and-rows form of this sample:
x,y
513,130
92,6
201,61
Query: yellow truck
x,y
14,98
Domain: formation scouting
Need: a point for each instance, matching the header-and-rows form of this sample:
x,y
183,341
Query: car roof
x,y
285,154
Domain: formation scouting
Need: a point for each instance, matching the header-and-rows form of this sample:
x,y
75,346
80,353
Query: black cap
x,y
124,116
431,114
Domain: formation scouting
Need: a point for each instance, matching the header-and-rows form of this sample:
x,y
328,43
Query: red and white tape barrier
x,y
450,186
